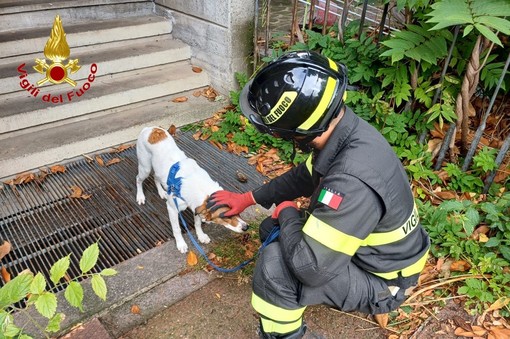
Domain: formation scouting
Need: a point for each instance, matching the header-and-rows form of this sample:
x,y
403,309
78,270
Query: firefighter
x,y
359,246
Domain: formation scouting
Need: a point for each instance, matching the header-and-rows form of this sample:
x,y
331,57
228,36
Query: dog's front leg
x,y
173,215
159,186
204,238
140,197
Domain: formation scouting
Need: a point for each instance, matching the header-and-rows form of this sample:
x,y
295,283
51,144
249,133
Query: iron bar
x,y
383,21
362,20
481,127
499,159
444,146
293,27
326,17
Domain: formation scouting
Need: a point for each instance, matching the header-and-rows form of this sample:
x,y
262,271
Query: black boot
x,y
297,334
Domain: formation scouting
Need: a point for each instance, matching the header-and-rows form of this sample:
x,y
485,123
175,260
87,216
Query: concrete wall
x,y
220,33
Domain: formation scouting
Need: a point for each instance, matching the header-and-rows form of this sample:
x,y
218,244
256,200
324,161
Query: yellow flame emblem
x,y
57,50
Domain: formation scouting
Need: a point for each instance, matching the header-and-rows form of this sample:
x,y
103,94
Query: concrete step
x,y
20,110
93,32
41,14
111,57
54,145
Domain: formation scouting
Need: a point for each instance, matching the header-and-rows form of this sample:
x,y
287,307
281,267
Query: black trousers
x,y
352,290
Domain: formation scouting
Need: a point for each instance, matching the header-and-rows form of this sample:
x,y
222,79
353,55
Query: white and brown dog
x,y
156,149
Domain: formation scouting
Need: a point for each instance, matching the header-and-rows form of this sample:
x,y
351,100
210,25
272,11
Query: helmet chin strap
x,y
303,145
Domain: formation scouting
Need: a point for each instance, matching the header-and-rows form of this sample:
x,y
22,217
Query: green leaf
x,y
59,269
473,219
11,330
498,24
449,13
107,272
486,32
38,284
54,323
46,304
74,294
89,258
493,242
16,289
99,286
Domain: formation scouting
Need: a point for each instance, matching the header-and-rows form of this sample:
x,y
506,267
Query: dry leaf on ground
x,y
113,161
192,259
78,193
196,69
135,309
58,169
5,248
180,99
6,276
99,160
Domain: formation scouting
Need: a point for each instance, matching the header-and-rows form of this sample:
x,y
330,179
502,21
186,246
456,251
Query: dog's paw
x,y
140,199
204,238
182,247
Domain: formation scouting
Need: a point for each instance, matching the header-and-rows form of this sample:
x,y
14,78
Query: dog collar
x,y
174,183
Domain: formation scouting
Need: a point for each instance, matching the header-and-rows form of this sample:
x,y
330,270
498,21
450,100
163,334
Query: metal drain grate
x,y
44,224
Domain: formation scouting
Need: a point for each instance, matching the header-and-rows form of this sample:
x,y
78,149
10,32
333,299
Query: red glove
x,y
282,206
237,202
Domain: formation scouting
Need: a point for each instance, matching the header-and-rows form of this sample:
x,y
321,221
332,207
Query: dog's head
x,y
233,223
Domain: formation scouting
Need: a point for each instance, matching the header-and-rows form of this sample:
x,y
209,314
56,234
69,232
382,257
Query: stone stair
x,y
131,70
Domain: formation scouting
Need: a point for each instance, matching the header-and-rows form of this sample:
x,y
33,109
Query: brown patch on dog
x,y
156,135
214,216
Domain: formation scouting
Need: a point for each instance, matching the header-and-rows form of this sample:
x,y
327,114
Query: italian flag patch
x,y
331,199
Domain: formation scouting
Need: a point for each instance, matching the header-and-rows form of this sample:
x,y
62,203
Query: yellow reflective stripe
x,y
308,164
331,237
384,238
270,326
321,107
274,312
333,65
408,271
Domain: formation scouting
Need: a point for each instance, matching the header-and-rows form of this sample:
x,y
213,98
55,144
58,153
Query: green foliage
x,y
33,290
451,226
417,43
486,16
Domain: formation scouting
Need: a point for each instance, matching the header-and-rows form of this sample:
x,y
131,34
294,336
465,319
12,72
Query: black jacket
x,y
376,225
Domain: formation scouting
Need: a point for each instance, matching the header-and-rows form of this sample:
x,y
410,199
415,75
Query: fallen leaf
x,y
135,309
241,177
196,94
499,333
99,160
460,266
192,259
78,193
446,195
218,296
6,276
5,248
57,169
197,135
196,69
113,161
180,99
381,319
122,148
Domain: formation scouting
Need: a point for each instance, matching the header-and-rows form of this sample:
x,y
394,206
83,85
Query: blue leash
x,y
174,187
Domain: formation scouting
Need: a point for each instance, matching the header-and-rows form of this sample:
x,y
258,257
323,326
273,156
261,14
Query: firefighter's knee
x,y
272,280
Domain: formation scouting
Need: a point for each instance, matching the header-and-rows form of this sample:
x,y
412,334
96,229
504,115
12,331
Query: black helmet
x,y
298,94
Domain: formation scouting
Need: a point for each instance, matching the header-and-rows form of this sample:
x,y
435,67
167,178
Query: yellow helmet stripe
x,y
327,96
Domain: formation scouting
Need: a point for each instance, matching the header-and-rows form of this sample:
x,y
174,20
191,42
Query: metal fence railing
x,y
283,21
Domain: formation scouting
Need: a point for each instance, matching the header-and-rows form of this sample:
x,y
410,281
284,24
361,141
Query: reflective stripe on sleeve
x,y
274,312
327,96
408,271
384,238
331,237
